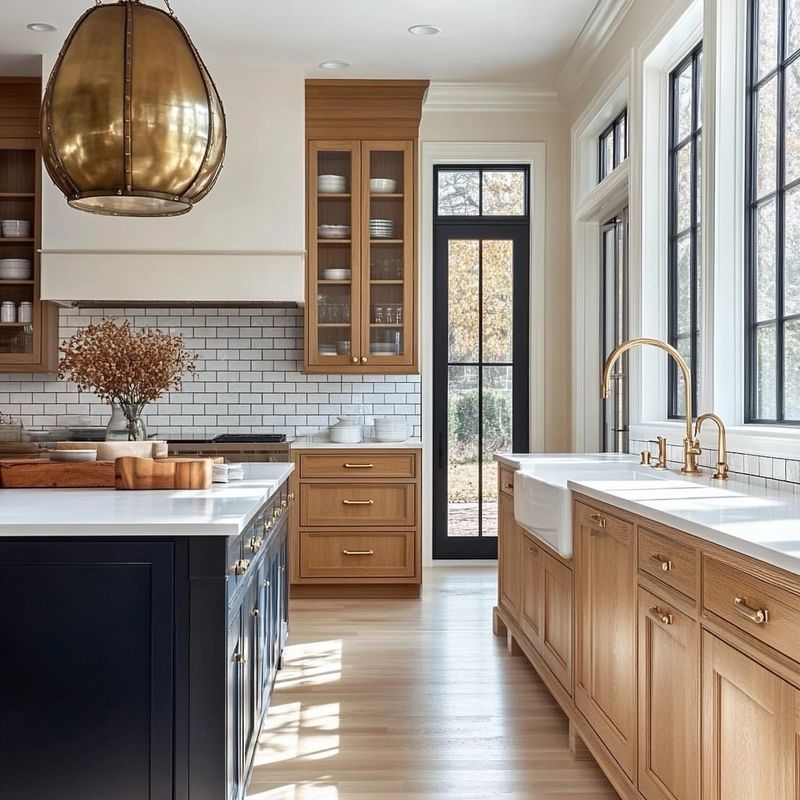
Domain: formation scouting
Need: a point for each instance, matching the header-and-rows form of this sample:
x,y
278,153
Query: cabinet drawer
x,y
358,464
506,479
738,597
669,560
324,505
356,555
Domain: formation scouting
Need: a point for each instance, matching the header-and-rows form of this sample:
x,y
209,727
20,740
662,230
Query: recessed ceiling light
x,y
334,65
424,30
41,27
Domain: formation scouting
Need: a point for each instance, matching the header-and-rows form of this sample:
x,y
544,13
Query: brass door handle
x,y
255,544
598,520
241,566
358,552
358,502
665,564
239,658
661,615
757,615
290,497
363,359
359,466
355,359
256,613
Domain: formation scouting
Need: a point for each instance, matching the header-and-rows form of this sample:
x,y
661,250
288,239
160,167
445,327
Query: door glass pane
x,y
504,193
765,261
684,187
498,294
792,26
497,404
768,14
459,193
792,151
766,136
463,266
463,467
334,259
765,372
791,370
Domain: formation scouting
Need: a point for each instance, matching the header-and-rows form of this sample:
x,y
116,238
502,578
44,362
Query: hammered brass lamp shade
x,y
132,124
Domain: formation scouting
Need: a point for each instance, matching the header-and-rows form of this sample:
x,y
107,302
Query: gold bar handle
x,y
757,615
358,502
358,552
239,658
664,563
241,566
359,466
598,520
661,616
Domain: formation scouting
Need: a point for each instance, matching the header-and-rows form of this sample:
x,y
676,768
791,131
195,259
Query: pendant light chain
x,y
169,8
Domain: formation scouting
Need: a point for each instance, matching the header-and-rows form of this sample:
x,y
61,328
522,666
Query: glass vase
x,y
126,424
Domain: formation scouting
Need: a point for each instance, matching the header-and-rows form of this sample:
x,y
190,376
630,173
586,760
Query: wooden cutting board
x,y
44,474
163,473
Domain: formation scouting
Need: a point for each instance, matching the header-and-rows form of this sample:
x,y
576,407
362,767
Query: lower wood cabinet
x,y
751,728
605,580
557,610
531,611
509,542
669,701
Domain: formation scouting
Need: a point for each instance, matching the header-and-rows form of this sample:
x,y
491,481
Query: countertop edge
x,y
730,542
324,444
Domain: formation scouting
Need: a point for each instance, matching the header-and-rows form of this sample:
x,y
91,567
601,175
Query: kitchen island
x,y
141,633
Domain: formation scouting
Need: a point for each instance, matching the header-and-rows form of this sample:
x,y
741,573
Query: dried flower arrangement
x,y
125,367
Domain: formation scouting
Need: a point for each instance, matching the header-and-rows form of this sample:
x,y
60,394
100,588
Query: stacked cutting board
x,y
123,472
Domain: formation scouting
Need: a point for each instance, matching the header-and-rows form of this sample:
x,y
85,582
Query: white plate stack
x,y
331,184
15,228
327,350
333,231
391,430
381,229
382,185
16,269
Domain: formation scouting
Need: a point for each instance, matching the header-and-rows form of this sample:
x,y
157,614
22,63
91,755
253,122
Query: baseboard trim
x,y
374,591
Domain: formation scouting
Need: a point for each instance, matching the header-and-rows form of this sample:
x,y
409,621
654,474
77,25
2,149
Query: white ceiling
x,y
522,41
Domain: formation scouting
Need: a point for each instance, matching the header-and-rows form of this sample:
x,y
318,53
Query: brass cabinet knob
x,y
598,520
663,616
267,525
290,497
664,563
239,658
241,566
355,359
363,359
256,613
255,544
284,503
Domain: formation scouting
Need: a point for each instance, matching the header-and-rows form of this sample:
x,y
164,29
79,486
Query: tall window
x,y
685,169
773,219
613,145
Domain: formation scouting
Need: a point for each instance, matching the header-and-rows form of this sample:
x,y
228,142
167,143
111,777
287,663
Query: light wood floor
x,y
384,699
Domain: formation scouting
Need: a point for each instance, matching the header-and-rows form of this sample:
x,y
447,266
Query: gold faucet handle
x,y
646,456
721,473
661,441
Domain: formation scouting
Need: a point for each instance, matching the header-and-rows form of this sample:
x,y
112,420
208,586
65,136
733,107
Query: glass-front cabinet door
x,y
387,287
334,210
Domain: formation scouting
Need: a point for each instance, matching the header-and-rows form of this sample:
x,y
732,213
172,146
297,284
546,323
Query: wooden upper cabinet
x,y
26,345
605,582
750,728
361,213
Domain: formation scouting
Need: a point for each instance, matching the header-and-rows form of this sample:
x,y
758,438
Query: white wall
x,y
246,238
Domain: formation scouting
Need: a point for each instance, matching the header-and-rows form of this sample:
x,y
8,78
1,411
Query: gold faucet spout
x,y
691,448
721,473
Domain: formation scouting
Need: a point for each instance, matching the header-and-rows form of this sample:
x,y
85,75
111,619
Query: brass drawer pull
x,y
598,520
661,616
358,502
290,497
256,613
358,552
665,564
255,544
508,485
239,658
359,466
241,566
757,615
532,550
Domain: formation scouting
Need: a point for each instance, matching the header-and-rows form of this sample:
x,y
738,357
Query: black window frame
x,y
619,145
481,169
752,204
694,231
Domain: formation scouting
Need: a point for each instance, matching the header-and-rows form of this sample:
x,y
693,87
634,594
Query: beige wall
x,y
551,128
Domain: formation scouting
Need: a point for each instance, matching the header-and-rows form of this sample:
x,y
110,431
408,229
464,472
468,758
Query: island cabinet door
x,y
235,706
531,592
750,728
508,551
605,584
557,608
86,670
669,701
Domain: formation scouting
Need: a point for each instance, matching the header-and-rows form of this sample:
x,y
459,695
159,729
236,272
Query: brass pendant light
x,y
132,124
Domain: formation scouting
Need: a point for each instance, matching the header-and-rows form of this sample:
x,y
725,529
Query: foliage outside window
x,y
773,219
613,145
685,231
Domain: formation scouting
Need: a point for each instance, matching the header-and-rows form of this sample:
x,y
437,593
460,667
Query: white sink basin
x,y
543,503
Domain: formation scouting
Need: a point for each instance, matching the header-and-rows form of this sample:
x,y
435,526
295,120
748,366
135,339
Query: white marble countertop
x,y
222,510
758,522
323,442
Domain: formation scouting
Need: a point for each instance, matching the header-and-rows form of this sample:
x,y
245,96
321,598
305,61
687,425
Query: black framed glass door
x,y
480,366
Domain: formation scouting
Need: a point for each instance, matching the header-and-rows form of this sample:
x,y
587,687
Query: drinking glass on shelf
x,y
378,315
398,314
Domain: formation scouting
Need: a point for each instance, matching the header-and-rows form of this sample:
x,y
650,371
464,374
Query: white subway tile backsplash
x,y
249,379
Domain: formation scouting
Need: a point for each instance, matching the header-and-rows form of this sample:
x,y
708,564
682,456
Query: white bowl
x,y
382,185
73,455
16,269
331,184
15,228
333,231
346,434
336,274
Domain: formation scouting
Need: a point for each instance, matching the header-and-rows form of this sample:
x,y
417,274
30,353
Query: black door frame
x,y
516,229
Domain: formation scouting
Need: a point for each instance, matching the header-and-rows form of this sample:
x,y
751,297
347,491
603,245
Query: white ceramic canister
x,y
25,311
8,312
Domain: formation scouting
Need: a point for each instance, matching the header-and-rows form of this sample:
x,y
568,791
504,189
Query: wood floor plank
x,y
390,699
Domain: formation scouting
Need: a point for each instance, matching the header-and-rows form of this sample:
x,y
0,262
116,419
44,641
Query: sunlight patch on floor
x,y
306,791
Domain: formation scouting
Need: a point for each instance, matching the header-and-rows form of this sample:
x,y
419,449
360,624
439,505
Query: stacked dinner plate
x,y
16,269
333,231
15,228
381,229
331,184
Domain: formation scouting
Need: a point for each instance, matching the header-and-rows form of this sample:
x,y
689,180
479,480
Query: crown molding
x,y
604,20
452,96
